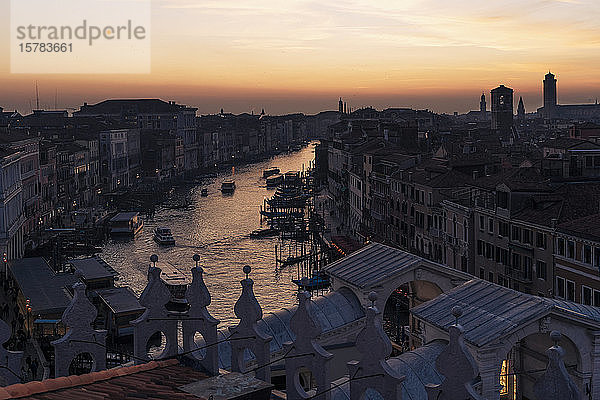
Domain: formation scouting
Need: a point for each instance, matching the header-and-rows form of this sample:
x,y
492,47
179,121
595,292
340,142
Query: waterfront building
x,y
114,156
574,112
12,216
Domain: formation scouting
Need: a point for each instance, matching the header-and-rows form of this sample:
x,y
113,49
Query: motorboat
x,y
264,232
204,192
163,236
228,186
270,172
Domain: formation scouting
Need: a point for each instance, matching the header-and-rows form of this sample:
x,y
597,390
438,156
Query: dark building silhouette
x,y
521,110
482,104
550,95
502,109
341,106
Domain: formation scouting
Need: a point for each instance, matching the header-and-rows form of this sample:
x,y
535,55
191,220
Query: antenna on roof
x,y
37,96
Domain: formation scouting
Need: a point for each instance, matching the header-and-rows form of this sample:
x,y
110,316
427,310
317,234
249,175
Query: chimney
x,y
475,175
553,223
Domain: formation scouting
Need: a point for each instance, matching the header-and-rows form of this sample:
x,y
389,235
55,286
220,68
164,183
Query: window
x,y
587,254
516,261
481,223
570,249
597,257
479,248
560,287
586,295
570,290
502,200
597,298
465,231
560,246
491,277
527,236
527,267
491,225
589,162
540,270
482,276
516,233
540,240
502,229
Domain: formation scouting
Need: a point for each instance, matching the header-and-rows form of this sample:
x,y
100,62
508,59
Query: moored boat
x,y
126,224
228,186
164,237
274,180
270,172
204,192
265,232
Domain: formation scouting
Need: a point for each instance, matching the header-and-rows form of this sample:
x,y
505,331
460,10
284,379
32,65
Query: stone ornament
x,y
155,318
10,360
306,352
80,337
372,371
199,320
556,383
246,334
457,366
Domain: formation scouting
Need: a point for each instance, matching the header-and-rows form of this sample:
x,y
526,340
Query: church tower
x,y
482,104
550,95
341,106
521,110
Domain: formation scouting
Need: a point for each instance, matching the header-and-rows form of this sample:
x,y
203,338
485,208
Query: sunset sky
x,y
300,56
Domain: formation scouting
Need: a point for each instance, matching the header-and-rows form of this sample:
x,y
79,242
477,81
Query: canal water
x,y
217,228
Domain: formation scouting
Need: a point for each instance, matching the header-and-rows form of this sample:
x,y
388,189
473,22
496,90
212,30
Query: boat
x,y
126,224
318,281
264,232
274,180
270,172
228,186
177,283
204,192
164,237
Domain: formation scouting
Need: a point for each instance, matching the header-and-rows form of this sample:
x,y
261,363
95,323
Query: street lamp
x,y
28,309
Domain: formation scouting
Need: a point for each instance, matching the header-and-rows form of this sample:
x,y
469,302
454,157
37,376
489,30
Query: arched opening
x,y
304,382
397,323
247,360
83,363
526,362
371,394
200,344
156,345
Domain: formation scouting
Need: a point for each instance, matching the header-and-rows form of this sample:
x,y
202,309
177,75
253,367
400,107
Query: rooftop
x,y
93,268
371,265
491,312
46,289
156,379
120,300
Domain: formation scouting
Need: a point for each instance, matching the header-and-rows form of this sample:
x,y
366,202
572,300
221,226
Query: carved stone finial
x,y
153,259
9,359
200,320
249,313
457,312
373,371
81,337
457,366
306,352
556,383
373,298
196,258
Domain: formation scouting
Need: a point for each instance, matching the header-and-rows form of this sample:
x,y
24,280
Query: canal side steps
x,y
373,376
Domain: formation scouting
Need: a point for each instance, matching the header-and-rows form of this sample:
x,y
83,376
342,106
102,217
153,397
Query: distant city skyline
x,y
301,56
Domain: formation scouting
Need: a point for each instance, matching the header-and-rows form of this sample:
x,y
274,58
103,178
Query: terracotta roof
x,y
156,380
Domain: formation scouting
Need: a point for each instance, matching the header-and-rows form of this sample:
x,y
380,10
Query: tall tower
x,y
502,109
482,104
550,97
341,106
521,110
